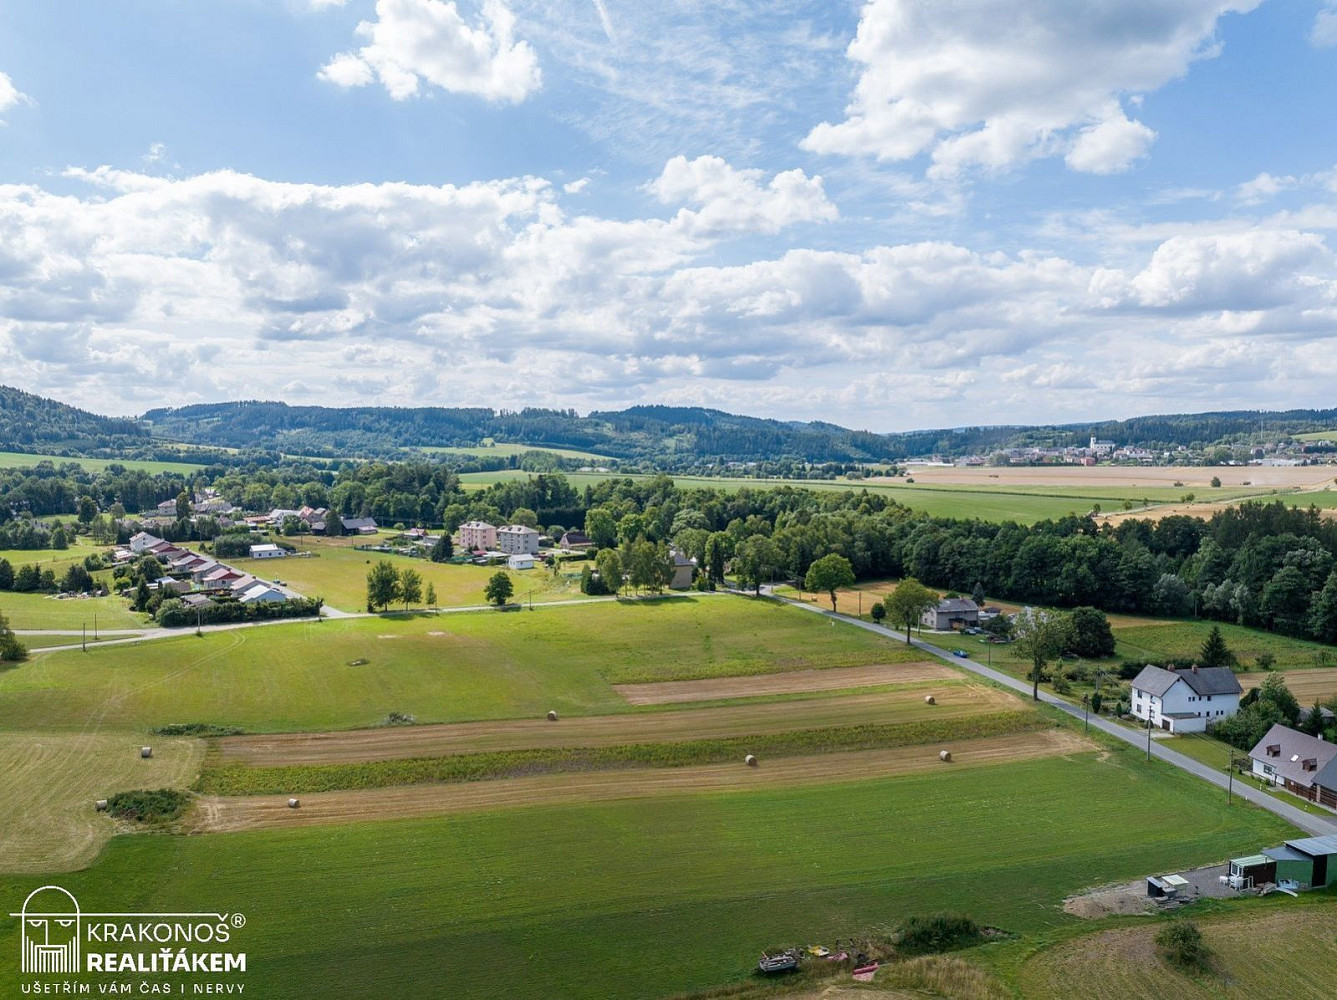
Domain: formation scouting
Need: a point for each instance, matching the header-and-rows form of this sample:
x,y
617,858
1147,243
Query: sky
x,y
890,215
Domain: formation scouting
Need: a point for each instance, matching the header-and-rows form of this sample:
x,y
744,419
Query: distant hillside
x,y
34,423
673,436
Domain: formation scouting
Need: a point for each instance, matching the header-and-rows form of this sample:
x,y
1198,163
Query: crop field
x,y
51,778
338,573
789,682
43,611
655,896
19,460
1158,638
217,814
338,674
1276,948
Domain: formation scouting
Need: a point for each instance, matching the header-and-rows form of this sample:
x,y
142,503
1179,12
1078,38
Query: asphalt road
x,y
1314,825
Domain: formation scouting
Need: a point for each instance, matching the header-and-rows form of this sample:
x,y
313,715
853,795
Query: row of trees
x,y
387,585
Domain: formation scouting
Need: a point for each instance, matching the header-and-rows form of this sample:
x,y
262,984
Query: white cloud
x,y
416,42
735,199
325,4
1263,187
576,186
1324,32
10,96
993,83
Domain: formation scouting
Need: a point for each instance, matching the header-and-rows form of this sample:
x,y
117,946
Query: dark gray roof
x,y
358,522
1284,853
952,604
1315,846
1295,749
1202,680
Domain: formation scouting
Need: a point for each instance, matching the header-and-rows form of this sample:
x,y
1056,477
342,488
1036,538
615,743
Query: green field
x,y
1185,638
648,898
444,668
41,611
338,573
507,451
20,460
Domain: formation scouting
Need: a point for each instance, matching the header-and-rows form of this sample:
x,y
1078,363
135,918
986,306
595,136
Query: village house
x,y
575,541
1304,765
262,593
520,560
1185,701
951,613
684,570
268,550
359,525
516,538
475,535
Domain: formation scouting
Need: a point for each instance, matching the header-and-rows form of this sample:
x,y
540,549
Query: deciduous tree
x,y
499,588
382,586
829,573
908,602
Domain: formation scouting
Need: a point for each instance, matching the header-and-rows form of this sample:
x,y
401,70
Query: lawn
x,y
1151,638
654,897
42,611
19,460
338,573
444,668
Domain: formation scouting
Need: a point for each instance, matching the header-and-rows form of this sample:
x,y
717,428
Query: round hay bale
x,y
146,752
294,803
930,700
750,760
552,716
100,805
945,756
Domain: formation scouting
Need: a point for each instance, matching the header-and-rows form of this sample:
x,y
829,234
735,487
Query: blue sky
x,y
890,214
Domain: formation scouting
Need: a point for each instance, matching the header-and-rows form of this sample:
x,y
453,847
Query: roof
x,y
950,604
1295,749
476,525
1285,853
358,522
1315,846
517,529
265,547
1202,681
1252,861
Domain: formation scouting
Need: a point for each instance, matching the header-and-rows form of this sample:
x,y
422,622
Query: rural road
x,y
1314,825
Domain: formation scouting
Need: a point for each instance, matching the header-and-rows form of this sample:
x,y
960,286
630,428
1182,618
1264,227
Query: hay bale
x,y
750,760
930,700
100,805
146,752
945,756
294,803
552,716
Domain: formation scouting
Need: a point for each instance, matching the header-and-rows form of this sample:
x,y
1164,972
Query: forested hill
x,y
671,436
34,423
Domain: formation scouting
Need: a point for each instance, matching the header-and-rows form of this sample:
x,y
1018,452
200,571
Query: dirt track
x,y
790,682
955,700
225,814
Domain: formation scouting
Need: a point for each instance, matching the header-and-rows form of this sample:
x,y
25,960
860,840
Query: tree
x,y
879,612
499,588
717,554
1042,636
1285,603
429,598
1181,943
1274,690
908,602
756,561
6,575
382,586
601,527
182,505
27,579
977,594
1214,652
87,509
334,524
999,626
525,516
76,580
59,540
1216,482
1096,702
443,548
11,650
410,586
829,573
609,564
1322,614
1091,633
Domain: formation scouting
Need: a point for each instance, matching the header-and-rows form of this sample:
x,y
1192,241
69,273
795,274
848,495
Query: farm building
x,y
518,538
574,540
267,551
358,525
952,613
478,535
1185,701
262,593
1309,863
520,560
1304,765
683,571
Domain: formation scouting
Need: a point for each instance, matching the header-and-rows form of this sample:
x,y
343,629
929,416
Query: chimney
x,y
1195,668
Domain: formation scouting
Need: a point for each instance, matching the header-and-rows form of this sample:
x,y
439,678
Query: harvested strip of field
x,y
239,779
954,699
789,682
219,814
1308,686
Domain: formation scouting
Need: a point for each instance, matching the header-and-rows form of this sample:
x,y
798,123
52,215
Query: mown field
x,y
43,611
338,674
20,460
654,897
338,573
507,450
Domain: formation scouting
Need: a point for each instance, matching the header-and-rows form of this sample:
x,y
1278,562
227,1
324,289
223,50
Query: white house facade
x,y
517,538
520,560
478,535
1185,701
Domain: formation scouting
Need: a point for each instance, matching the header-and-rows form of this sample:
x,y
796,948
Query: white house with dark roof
x,y
1185,701
1302,764
951,613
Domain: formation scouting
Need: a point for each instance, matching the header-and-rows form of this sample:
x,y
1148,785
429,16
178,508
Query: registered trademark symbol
x,y
238,920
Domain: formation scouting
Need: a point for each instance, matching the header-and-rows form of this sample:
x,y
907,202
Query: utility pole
x,y
861,604
1148,734
85,638
1086,714
95,626
1230,777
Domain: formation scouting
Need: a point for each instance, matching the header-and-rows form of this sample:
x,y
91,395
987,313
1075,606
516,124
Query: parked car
x,y
961,653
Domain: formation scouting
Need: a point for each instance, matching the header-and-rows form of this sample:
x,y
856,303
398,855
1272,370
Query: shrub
x,y
1181,944
938,933
161,806
196,729
1061,685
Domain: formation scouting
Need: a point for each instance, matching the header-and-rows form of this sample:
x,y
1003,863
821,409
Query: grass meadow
x,y
655,897
43,611
338,573
439,668
21,460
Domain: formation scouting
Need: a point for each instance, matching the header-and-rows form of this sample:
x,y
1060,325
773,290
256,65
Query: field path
x,y
788,682
955,699
218,814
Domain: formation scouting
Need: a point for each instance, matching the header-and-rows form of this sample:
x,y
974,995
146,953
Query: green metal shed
x,y
1324,852
1292,866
